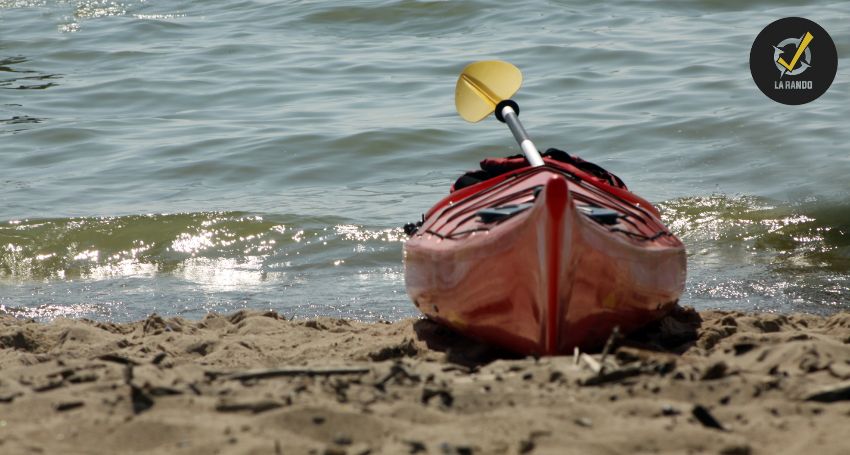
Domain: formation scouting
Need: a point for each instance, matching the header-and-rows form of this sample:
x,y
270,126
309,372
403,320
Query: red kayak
x,y
542,259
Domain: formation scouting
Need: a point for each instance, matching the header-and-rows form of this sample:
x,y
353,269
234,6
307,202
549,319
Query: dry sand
x,y
712,382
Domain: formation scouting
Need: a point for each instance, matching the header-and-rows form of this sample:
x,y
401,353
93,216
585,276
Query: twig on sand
x,y
613,338
599,366
592,363
281,372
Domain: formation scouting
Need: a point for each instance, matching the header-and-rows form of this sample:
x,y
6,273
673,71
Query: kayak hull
x,y
547,279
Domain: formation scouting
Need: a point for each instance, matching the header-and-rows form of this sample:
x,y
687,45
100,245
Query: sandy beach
x,y
251,382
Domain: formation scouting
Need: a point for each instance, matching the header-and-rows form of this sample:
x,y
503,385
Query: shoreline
x,y
254,382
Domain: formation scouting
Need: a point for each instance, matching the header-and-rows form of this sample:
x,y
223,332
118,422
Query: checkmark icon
x,y
804,43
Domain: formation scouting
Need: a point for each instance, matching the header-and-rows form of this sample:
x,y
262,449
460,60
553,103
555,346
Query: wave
x,y
201,246
748,251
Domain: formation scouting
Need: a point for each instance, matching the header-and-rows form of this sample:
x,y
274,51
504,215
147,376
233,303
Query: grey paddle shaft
x,y
528,149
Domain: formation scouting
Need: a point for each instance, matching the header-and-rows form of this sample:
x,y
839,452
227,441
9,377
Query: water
x,y
187,156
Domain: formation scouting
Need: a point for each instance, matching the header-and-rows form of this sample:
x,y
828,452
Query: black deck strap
x,y
494,214
601,215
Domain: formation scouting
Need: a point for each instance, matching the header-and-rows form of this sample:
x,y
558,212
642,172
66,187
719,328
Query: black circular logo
x,y
793,61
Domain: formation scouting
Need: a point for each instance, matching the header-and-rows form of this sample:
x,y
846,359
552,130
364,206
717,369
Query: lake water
x,y
187,156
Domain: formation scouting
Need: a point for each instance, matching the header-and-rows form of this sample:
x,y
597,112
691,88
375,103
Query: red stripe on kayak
x,y
556,203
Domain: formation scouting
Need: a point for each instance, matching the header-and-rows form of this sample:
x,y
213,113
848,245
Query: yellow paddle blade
x,y
482,85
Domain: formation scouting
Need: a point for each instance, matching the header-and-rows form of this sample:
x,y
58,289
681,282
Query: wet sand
x,y
711,382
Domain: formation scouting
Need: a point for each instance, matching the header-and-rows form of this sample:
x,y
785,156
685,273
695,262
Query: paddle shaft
x,y
528,148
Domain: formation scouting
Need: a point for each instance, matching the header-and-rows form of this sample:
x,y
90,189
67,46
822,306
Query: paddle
x,y
487,86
